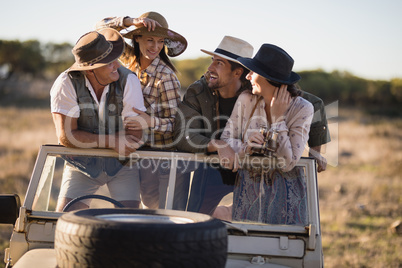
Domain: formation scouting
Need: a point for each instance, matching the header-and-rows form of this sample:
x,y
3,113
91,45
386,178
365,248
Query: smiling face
x,y
261,86
108,73
150,47
221,74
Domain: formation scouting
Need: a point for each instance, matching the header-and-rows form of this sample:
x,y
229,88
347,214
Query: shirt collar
x,y
92,91
151,69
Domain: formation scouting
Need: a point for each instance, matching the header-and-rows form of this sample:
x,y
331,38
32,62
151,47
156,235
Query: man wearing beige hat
x,y
206,107
88,103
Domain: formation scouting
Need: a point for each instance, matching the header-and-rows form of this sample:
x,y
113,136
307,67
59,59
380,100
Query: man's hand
x,y
314,152
321,163
125,144
227,156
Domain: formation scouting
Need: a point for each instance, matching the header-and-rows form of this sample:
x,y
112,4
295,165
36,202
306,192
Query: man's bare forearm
x,y
83,139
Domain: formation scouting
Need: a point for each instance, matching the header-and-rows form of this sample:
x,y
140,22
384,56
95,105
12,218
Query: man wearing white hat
x,y
88,103
202,116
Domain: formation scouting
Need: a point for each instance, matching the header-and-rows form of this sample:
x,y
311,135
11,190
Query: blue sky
x,y
363,37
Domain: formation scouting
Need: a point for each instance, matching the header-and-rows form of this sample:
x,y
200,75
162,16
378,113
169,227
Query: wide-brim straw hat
x,y
273,63
97,49
231,48
175,42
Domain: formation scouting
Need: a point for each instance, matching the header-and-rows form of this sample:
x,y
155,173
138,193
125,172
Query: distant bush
x,y
191,70
32,59
21,58
351,90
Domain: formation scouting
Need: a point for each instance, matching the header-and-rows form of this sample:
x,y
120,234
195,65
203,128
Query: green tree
x,y
58,58
191,70
324,85
396,89
22,58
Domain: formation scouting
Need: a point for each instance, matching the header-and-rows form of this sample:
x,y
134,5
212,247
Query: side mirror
x,y
9,208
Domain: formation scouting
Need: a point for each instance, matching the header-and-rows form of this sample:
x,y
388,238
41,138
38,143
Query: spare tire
x,y
119,237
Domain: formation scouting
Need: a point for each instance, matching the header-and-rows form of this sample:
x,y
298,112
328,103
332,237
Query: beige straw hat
x,y
175,43
231,48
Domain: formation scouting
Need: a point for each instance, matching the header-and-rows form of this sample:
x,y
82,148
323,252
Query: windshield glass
x,y
257,193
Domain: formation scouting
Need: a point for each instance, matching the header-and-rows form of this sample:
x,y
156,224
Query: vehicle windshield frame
x,y
43,161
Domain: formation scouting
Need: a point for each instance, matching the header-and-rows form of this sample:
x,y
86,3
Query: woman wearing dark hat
x,y
151,43
275,196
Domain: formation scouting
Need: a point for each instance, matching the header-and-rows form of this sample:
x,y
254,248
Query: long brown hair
x,y
131,55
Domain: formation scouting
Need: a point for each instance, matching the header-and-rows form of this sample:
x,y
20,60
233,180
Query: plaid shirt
x,y
160,87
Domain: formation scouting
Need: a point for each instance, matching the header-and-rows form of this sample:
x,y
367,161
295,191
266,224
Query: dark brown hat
x,y
97,49
175,43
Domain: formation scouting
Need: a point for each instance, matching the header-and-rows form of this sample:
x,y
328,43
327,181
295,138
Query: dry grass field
x,y
360,193
361,197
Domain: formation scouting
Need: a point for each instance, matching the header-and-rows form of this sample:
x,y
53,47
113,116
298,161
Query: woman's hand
x,y
255,140
142,22
139,122
280,103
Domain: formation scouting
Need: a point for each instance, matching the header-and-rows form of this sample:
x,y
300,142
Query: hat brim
x,y
253,66
220,55
118,48
175,43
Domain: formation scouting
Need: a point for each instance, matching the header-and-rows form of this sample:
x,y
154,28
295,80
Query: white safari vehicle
x,y
107,235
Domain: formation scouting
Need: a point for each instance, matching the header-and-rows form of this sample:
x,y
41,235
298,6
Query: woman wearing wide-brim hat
x,y
275,196
150,42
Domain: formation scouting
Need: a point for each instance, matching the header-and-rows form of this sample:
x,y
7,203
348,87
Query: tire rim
x,y
142,218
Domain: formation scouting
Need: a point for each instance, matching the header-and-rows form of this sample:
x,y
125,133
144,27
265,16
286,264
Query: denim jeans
x,y
207,190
